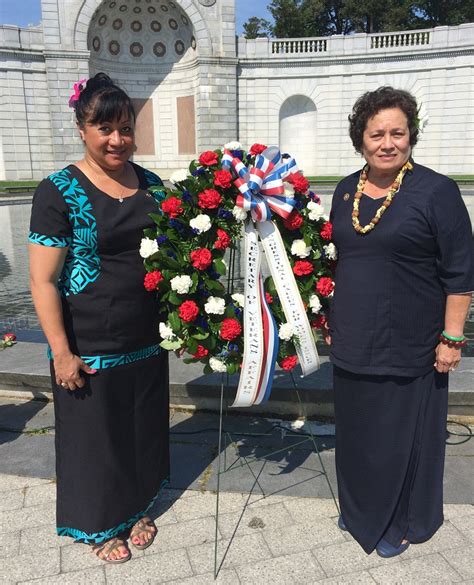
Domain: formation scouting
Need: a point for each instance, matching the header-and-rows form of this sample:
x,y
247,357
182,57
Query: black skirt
x,y
112,449
390,447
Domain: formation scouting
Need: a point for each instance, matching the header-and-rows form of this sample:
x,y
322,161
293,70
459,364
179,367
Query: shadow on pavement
x,y
14,418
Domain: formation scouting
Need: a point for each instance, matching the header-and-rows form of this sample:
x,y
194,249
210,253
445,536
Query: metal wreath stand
x,y
227,438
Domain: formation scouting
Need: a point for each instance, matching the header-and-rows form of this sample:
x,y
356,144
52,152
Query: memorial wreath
x,y
228,194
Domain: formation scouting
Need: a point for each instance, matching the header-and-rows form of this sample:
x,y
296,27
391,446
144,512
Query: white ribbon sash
x,y
254,361
289,295
253,346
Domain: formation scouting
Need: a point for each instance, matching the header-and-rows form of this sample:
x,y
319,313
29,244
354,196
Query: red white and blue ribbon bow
x,y
261,188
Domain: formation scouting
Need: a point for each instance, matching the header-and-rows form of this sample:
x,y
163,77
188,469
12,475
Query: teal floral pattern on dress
x,y
50,241
98,537
154,185
100,362
82,265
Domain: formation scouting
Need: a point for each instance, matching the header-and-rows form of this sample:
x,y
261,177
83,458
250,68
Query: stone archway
x,y
149,48
89,7
298,118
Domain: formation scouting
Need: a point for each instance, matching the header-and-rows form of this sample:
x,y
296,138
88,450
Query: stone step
x,y
24,372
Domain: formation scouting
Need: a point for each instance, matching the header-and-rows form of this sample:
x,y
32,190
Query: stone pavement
x,y
289,536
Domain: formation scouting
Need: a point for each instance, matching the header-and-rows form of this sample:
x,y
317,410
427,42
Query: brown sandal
x,y
103,551
143,526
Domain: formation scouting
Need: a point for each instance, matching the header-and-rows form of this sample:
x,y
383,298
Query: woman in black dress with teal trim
x,y
403,282
110,379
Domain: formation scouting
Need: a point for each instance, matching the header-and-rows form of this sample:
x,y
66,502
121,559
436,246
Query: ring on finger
x,y
63,384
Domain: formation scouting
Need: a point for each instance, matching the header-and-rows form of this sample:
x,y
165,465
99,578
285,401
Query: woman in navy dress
x,y
110,380
403,282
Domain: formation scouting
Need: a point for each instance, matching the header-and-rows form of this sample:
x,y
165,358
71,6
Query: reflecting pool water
x,y
16,307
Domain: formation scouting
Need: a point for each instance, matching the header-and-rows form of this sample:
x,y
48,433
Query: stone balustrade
x,y
14,37
358,44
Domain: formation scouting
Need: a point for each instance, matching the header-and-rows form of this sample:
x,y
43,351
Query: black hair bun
x,y
99,81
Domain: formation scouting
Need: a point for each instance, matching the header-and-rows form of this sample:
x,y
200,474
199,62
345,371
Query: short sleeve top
x,y
106,308
391,284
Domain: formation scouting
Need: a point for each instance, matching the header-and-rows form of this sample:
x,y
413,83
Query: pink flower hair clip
x,y
78,87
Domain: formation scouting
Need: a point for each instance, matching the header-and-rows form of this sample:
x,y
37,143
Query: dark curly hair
x,y
372,102
102,101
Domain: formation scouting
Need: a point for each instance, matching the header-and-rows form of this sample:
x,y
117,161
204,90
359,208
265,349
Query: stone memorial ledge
x,y
24,373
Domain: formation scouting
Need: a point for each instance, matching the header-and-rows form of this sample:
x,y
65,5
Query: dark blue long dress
x,y
388,310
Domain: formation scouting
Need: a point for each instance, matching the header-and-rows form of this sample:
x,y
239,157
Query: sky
x,y
25,12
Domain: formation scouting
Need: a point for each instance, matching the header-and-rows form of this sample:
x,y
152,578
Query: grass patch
x,y
462,178
6,184
325,179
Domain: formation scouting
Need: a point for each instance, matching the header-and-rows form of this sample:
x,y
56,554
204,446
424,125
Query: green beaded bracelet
x,y
451,338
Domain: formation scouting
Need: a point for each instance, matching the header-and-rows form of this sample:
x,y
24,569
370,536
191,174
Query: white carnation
x,y
300,249
331,251
179,176
165,331
239,299
215,306
234,145
181,284
201,223
148,247
239,213
314,303
217,365
316,211
286,331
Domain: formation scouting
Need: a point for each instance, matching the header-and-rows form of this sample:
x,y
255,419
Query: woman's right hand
x,y
67,368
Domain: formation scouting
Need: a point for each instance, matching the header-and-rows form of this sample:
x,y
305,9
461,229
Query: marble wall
x,y
293,92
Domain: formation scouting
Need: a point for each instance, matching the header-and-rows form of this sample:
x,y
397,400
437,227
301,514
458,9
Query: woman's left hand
x,y
447,358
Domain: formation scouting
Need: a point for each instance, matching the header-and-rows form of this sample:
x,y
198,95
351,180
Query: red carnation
x,y
294,221
230,329
201,258
152,280
289,362
208,158
172,206
302,268
257,149
209,199
223,240
188,311
325,286
300,183
9,338
326,232
222,179
269,298
319,322
201,352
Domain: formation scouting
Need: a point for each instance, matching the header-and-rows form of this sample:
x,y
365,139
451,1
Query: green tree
x,y
371,16
288,18
430,13
308,18
257,27
325,17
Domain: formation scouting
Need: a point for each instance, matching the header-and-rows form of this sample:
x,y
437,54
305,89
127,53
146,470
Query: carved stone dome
x,y
141,32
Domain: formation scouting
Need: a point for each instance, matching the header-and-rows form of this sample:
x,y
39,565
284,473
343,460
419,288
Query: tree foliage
x,y
307,18
257,27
